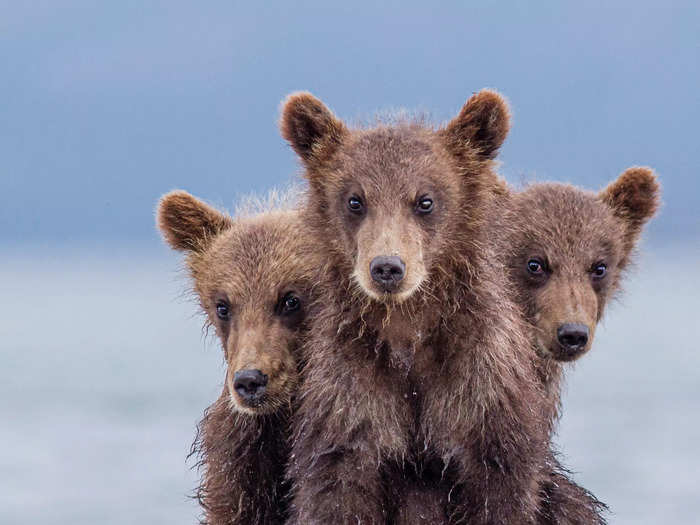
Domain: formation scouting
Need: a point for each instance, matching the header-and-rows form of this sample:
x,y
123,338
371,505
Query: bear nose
x,y
573,337
249,384
387,271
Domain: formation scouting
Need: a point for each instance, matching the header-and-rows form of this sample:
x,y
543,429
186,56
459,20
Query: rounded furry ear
x,y
310,127
481,126
634,196
188,224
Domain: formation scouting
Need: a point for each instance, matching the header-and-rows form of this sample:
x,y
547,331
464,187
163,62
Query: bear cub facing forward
x,y
251,276
417,360
566,250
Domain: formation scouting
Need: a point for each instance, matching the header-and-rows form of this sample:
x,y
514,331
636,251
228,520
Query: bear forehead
x,y
383,149
256,256
566,220
395,142
393,162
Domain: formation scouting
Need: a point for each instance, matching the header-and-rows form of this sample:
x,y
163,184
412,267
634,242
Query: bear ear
x,y
482,125
188,224
634,196
310,127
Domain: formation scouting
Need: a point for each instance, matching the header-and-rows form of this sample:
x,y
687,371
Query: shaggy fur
x,y
435,375
242,458
566,503
253,266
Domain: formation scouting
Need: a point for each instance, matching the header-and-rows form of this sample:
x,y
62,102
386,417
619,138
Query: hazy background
x,y
105,106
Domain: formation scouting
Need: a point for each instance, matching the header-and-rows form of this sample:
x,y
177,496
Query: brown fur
x,y
421,503
435,373
251,265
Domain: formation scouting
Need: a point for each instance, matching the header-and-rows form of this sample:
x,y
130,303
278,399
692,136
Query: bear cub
x,y
566,250
251,276
418,362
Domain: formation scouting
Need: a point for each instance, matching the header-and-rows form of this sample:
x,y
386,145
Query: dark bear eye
x,y
599,270
355,204
289,309
222,311
535,267
424,205
289,305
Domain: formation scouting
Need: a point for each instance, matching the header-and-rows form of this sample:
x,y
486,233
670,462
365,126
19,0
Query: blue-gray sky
x,y
106,105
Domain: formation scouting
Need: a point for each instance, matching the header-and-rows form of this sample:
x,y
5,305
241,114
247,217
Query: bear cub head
x,y
393,199
251,276
567,251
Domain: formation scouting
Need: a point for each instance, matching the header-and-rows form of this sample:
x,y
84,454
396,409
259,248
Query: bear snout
x,y
250,385
573,339
387,271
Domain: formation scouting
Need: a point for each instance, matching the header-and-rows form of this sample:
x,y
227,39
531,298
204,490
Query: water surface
x,y
105,373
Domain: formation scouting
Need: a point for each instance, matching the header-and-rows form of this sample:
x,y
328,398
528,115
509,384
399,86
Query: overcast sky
x,y
106,105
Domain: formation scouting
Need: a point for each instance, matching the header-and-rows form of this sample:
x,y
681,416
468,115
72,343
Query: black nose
x,y
250,384
387,271
572,336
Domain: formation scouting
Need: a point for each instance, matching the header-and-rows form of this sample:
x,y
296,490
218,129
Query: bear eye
x,y
290,304
222,311
355,204
599,270
424,205
535,266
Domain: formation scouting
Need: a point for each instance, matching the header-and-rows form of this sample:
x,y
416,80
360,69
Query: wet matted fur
x,y
242,459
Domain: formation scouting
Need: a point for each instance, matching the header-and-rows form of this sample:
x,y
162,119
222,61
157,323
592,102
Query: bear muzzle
x,y
387,272
250,385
